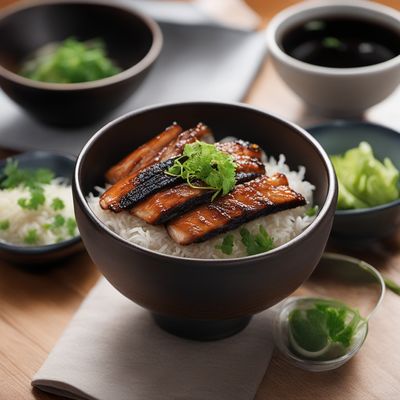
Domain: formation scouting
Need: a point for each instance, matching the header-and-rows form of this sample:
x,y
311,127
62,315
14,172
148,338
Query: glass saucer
x,y
339,278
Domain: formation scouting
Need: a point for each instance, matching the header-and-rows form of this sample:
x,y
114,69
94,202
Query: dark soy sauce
x,y
341,42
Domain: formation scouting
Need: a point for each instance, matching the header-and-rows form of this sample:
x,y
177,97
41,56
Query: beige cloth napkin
x,y
112,350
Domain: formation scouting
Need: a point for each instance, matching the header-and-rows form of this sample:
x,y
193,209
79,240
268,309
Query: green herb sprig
x,y
258,243
227,244
204,162
13,176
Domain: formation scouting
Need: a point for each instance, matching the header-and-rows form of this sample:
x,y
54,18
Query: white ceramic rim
x,y
133,70
303,7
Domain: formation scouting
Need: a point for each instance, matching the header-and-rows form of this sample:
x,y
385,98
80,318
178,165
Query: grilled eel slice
x,y
248,201
169,203
153,179
144,155
125,192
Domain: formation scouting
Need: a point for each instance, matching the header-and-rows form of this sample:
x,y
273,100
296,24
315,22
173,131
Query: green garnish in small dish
x,y
363,180
323,329
71,61
33,180
258,243
13,176
32,237
57,204
38,206
203,162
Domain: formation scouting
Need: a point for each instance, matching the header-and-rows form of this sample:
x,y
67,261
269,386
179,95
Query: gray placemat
x,y
113,350
200,60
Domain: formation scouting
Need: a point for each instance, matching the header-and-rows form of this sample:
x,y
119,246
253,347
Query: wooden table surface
x,y
35,308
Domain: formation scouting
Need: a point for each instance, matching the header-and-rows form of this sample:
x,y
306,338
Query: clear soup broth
x,y
341,42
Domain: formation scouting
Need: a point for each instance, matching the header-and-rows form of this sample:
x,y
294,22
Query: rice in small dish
x,y
36,208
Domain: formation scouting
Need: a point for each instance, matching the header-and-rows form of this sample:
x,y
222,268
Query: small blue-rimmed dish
x,y
63,166
366,224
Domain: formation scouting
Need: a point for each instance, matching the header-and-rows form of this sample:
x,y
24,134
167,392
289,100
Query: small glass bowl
x,y
336,277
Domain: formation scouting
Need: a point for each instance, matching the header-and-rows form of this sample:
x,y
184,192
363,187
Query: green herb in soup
x,y
35,206
323,329
203,166
363,180
70,61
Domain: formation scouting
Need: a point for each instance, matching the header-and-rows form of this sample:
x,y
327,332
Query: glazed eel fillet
x,y
248,201
138,184
143,156
172,202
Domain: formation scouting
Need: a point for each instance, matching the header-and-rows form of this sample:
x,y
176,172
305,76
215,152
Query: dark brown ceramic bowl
x,y
133,41
204,299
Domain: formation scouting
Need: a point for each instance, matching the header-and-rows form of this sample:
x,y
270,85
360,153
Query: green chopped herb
x,y
70,61
59,221
319,327
37,199
310,212
258,243
227,244
363,180
315,25
4,224
71,226
13,176
204,162
332,43
32,237
391,285
57,204
60,226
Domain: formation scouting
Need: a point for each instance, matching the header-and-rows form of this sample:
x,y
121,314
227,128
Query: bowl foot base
x,y
203,330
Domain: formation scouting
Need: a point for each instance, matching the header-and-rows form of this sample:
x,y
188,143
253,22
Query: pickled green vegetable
x,y
363,180
323,329
71,61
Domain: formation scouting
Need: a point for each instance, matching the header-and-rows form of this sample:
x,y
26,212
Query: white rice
x,y
282,226
21,220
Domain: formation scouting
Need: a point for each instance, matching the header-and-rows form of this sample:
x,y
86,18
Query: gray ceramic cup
x,y
335,91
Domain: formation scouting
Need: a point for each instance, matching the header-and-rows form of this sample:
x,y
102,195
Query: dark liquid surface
x,y
341,43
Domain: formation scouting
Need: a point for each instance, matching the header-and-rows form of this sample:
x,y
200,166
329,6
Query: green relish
x,y
363,180
323,329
